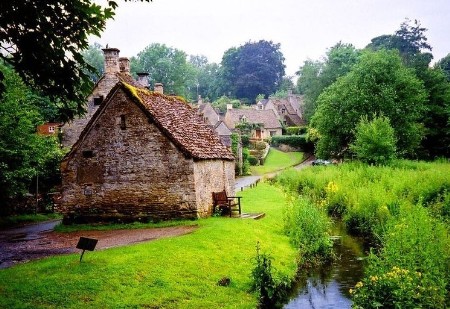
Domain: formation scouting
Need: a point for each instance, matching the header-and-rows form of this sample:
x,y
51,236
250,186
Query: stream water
x,y
328,286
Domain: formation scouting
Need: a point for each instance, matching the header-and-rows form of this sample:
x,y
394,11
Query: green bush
x,y
253,160
412,269
375,141
296,130
308,227
297,141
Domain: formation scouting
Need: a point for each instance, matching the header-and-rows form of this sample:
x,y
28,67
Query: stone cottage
x,y
266,119
213,119
115,69
289,110
144,156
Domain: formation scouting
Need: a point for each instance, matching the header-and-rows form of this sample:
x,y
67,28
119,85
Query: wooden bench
x,y
225,202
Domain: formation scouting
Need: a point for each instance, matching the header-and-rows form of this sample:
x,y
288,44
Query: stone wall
x,y
212,176
72,130
125,169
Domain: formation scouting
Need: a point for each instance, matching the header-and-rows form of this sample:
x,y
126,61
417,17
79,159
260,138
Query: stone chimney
x,y
159,88
111,60
229,106
142,79
199,100
124,65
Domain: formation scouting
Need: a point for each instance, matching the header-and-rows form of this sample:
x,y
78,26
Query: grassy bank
x,y
403,210
180,272
277,160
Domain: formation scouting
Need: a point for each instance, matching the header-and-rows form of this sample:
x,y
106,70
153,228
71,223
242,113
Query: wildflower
x,y
359,285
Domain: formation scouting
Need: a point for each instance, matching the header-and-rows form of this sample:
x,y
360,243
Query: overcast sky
x,y
304,28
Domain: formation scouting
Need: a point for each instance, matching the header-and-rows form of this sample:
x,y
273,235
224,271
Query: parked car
x,y
321,162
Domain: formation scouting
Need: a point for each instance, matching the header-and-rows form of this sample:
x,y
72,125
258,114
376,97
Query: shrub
x,y
375,141
412,269
307,227
296,130
297,141
253,160
272,292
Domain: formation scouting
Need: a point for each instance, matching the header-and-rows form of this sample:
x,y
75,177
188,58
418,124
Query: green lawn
x,y
24,219
277,160
179,272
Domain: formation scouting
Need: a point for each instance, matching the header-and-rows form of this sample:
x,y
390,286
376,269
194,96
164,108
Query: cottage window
x,y
88,154
88,190
51,129
123,124
273,133
98,100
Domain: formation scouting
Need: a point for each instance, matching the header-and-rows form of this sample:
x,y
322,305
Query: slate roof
x,y
175,118
266,117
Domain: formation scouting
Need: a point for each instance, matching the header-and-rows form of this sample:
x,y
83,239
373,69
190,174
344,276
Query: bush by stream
x,y
403,211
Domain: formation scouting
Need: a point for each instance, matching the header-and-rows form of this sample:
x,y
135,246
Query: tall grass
x,y
403,210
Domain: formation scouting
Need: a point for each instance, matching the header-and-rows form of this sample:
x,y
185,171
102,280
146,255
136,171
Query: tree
x,y
315,76
378,84
444,64
252,69
23,153
374,140
95,58
166,65
42,40
207,81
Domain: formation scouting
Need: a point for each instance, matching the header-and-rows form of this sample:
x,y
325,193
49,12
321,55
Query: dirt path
x,y
19,250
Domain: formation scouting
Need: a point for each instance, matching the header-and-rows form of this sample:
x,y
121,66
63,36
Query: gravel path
x,y
15,250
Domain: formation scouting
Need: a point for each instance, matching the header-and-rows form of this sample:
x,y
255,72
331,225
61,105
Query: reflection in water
x,y
328,286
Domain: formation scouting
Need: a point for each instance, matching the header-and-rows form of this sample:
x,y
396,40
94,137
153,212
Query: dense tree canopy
x,y
166,65
252,69
379,84
315,76
23,153
94,57
444,64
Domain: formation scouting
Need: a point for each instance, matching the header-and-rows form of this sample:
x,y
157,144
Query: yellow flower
x,y
359,285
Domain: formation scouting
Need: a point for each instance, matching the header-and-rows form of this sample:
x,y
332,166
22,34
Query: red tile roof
x,y
176,119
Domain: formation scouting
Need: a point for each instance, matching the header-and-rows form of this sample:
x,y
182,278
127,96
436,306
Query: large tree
x,y
315,76
253,68
23,153
444,64
379,84
207,81
95,58
43,41
166,65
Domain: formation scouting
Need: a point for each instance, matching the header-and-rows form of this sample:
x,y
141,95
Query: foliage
x,y
378,84
296,130
298,141
412,269
252,69
43,41
207,80
175,272
444,64
253,160
23,153
222,102
315,76
308,228
374,141
271,291
165,65
95,58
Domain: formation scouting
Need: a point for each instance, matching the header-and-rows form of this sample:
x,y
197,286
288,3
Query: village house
x,y
143,156
265,123
116,69
289,110
49,128
213,119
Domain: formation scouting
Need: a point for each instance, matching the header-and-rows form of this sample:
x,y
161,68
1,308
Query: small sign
x,y
86,244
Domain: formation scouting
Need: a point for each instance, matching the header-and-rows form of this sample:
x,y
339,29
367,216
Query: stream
x,y
328,286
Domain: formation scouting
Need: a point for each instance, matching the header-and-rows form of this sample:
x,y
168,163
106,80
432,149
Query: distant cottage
x,y
144,156
266,119
289,110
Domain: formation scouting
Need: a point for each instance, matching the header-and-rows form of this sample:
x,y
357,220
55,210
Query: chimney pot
x,y
159,88
142,79
124,64
111,60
